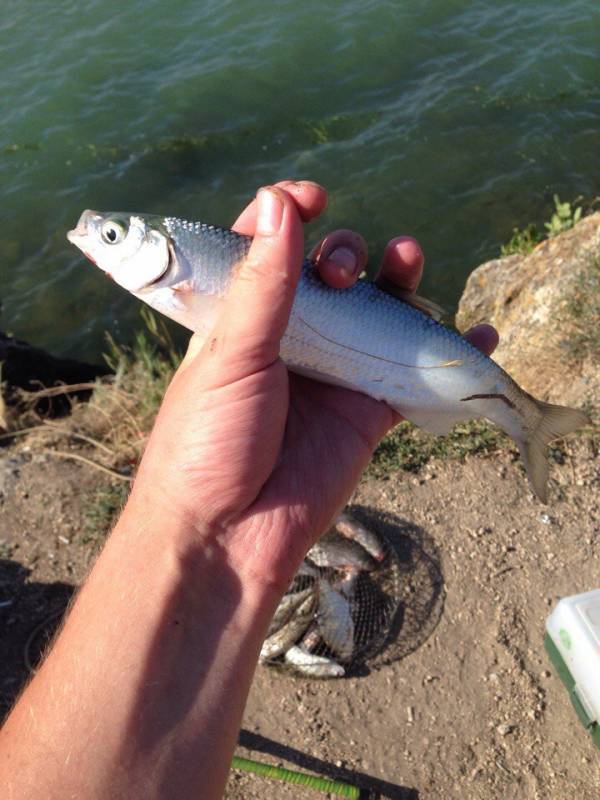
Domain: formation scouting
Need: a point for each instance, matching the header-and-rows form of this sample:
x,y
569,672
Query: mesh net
x,y
368,593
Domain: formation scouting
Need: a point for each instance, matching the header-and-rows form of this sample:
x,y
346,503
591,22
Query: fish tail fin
x,y
551,423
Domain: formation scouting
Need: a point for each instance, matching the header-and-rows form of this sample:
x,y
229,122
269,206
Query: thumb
x,y
258,304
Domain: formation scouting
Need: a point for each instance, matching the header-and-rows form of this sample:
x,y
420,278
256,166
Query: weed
x,y
121,413
523,241
563,218
583,309
408,448
102,512
7,549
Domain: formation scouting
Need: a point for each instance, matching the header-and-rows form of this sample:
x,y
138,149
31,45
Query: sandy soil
x,y
469,705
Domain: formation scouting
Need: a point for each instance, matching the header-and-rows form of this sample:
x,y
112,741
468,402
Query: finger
x,y
402,263
340,257
257,308
310,199
483,337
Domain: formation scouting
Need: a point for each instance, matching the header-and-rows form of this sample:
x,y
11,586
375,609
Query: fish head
x,y
131,249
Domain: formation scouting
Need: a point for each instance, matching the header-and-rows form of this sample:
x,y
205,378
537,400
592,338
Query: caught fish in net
x,y
346,603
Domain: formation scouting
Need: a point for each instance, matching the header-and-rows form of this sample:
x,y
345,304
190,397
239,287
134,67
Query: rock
x,y
504,729
29,368
529,299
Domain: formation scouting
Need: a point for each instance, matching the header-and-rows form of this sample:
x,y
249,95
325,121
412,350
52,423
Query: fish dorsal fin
x,y
415,300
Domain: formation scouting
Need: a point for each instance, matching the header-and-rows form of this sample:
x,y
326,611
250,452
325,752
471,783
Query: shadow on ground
x,y
29,615
370,787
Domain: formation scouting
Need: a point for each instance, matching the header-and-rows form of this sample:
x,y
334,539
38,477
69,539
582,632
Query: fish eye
x,y
113,232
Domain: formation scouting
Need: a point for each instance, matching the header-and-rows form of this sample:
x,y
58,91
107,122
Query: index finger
x,y
402,264
310,199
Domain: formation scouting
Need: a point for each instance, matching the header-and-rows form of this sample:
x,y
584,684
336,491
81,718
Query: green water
x,y
447,119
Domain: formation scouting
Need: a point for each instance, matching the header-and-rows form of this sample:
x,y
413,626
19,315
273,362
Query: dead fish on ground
x,y
335,622
313,665
287,606
277,644
347,526
362,338
306,569
334,551
311,639
347,584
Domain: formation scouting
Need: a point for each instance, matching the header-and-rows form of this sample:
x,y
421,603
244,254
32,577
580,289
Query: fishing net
x,y
355,604
367,594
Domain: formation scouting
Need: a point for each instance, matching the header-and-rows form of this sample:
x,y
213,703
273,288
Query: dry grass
x,y
120,414
110,430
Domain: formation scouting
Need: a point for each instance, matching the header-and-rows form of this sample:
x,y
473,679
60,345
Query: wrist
x,y
164,528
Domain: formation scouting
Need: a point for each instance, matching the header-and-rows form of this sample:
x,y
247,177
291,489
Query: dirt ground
x,y
469,707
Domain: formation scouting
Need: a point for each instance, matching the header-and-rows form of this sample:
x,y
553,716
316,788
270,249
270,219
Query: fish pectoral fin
x,y
183,287
554,422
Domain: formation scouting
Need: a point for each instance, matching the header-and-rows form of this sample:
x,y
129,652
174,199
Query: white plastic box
x,y
573,643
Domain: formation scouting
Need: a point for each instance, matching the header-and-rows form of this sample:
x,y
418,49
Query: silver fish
x,y
312,665
307,570
347,526
311,639
347,585
332,550
288,604
335,621
289,634
362,338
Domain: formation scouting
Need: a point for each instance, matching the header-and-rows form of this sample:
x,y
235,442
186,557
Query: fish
x,y
335,621
311,639
287,605
336,552
347,526
276,644
362,338
307,570
347,585
312,665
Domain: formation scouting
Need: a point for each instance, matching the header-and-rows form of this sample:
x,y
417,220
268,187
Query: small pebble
x,y
504,729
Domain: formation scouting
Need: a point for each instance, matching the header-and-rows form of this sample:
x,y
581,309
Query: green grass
x,y
522,242
564,216
102,512
408,448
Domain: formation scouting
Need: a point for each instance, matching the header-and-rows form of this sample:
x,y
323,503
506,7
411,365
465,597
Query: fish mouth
x,y
80,231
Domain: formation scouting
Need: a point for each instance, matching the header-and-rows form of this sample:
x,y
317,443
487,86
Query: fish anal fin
x,y
431,421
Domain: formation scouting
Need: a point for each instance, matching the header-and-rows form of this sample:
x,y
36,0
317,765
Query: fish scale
x,y
361,338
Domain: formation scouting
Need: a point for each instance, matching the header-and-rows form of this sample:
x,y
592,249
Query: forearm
x,y
143,692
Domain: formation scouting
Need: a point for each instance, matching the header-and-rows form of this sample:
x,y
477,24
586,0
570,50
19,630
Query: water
x,y
453,120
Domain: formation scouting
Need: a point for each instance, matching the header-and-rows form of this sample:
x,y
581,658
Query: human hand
x,y
245,467
254,456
